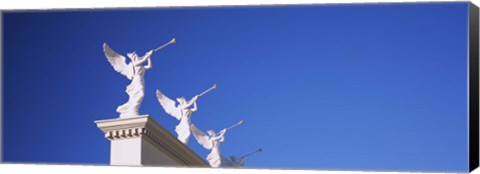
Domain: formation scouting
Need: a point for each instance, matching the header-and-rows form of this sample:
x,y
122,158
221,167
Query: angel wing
x,y
169,105
118,62
201,137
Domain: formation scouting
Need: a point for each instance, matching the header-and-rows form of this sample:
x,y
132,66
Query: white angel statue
x,y
134,71
235,162
212,142
182,112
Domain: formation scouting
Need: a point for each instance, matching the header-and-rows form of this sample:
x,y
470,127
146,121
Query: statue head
x,y
133,56
182,100
211,133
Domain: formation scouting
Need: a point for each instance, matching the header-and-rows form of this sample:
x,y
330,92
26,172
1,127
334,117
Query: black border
x,y
473,87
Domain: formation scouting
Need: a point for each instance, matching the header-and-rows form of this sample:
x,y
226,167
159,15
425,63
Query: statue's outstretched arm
x,y
194,107
141,61
149,64
221,135
144,58
191,102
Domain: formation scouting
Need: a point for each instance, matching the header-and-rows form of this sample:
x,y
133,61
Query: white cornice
x,y
147,128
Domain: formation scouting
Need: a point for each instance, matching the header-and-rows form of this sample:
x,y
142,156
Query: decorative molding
x,y
146,128
124,133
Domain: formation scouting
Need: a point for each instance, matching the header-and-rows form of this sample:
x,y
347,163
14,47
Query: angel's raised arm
x,y
191,102
149,64
195,108
221,136
144,58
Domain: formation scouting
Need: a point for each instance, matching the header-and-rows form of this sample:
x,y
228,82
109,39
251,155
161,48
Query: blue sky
x,y
346,87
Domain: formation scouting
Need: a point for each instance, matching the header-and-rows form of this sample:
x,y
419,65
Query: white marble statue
x,y
235,162
212,142
134,71
182,112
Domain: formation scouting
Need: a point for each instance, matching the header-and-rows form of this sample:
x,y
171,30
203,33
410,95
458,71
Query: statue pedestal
x,y
141,141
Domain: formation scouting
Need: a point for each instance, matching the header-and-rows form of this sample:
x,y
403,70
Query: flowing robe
x,y
136,92
214,157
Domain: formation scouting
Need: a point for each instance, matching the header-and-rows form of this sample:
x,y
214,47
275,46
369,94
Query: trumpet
x,y
235,125
251,153
164,45
208,90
